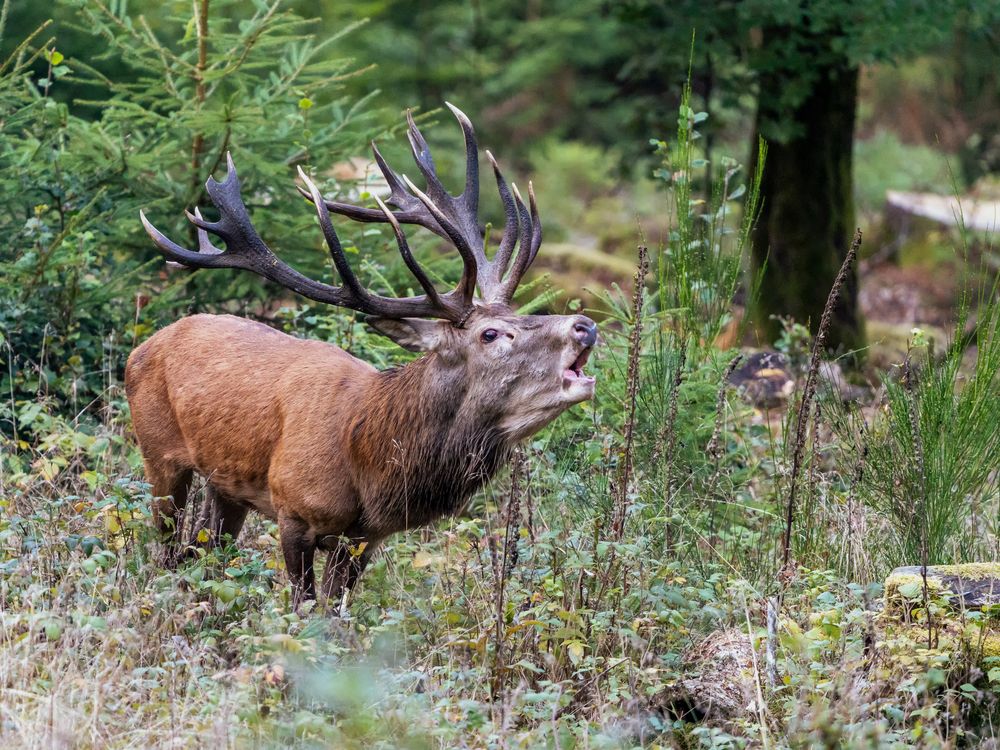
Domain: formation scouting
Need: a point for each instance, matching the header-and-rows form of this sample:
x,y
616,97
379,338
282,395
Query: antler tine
x,y
411,210
507,241
332,240
177,254
398,190
246,250
467,251
404,251
425,161
470,195
205,246
461,210
523,259
536,224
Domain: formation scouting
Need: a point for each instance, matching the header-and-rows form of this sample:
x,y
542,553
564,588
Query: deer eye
x,y
490,334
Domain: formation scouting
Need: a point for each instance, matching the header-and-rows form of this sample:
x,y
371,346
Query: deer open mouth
x,y
574,372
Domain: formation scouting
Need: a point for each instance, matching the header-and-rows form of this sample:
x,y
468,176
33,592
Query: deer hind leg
x,y
344,566
225,517
170,491
298,545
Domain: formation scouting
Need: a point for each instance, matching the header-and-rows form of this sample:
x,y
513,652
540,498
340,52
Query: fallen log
x,y
720,683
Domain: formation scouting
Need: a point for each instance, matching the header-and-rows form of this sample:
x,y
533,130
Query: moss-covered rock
x,y
956,595
578,268
959,643
970,586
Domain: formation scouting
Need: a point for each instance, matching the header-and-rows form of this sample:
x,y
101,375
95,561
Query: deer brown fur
x,y
341,454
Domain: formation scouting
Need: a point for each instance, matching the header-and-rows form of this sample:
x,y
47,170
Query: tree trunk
x,y
807,214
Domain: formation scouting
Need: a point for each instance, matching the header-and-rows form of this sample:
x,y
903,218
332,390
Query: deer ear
x,y
413,334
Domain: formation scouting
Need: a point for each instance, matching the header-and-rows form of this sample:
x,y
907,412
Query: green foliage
x,y
512,63
591,631
81,280
930,463
698,277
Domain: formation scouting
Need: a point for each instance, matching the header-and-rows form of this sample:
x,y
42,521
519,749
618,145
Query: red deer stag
x,y
336,451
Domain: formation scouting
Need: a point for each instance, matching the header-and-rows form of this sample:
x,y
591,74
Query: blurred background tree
x,y
611,74
807,58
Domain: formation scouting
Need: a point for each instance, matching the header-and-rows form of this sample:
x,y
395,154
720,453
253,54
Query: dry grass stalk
x,y
621,485
809,394
919,508
666,441
667,438
714,448
504,561
854,557
771,647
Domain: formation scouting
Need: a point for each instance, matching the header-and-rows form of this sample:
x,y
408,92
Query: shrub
x,y
82,282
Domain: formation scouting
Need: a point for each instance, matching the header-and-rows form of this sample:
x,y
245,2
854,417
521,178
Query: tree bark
x,y
807,214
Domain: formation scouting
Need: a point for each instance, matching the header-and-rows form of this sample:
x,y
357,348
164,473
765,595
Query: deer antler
x,y
245,249
455,217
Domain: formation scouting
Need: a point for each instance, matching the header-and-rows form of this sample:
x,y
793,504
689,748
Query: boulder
x,y
959,594
765,379
971,586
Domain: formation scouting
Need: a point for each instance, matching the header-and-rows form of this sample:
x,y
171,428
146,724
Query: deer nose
x,y
585,331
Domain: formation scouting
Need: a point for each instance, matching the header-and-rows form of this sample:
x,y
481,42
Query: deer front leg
x,y
298,545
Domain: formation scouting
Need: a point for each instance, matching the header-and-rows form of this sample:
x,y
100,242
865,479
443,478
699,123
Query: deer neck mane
x,y
425,444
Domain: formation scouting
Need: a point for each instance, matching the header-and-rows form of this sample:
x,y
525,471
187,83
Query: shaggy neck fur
x,y
429,446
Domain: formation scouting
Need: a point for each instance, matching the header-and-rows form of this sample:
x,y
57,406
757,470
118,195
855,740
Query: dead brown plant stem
x,y
503,565
620,496
529,503
809,394
714,447
813,471
870,634
513,514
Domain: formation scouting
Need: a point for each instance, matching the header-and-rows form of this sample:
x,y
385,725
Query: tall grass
x,y
933,452
701,278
